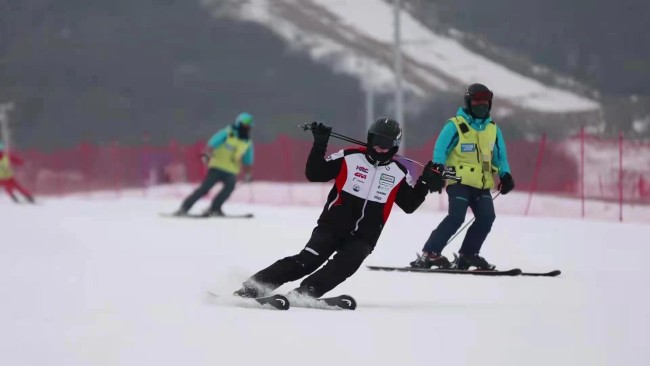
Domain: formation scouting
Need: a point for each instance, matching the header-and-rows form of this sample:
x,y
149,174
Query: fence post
x,y
114,153
538,165
285,142
582,170
620,175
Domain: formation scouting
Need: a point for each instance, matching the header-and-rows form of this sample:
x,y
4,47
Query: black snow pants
x,y
350,253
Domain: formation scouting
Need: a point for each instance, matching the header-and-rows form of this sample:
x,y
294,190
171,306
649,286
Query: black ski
x,y
341,302
198,216
554,273
476,272
275,302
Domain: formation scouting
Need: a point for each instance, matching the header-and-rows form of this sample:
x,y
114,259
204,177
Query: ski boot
x,y
303,292
249,290
180,212
212,212
463,262
427,260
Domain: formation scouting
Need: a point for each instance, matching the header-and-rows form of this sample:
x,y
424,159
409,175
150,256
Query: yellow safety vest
x,y
228,156
5,168
472,156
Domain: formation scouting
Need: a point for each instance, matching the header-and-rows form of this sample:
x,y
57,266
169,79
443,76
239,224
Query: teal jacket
x,y
448,139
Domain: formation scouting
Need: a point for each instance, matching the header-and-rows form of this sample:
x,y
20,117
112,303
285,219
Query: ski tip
x,y
279,302
553,273
349,301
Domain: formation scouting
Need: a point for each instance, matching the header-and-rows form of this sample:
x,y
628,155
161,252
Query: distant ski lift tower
x,y
399,97
5,108
370,94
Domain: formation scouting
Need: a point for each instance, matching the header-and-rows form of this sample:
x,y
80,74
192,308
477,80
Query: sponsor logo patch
x,y
467,147
387,178
362,169
362,176
356,188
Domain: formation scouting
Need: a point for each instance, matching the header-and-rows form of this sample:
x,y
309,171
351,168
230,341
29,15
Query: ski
x,y
273,302
553,273
476,272
197,216
277,301
341,302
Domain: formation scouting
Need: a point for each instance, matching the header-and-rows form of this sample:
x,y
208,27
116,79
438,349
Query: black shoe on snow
x,y
464,262
427,260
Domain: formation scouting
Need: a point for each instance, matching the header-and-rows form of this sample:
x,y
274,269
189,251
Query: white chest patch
x,y
367,182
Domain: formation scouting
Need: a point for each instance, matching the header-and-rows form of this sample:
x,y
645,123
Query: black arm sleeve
x,y
410,198
320,170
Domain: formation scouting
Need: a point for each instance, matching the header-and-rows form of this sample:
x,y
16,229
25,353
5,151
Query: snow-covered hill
x,y
355,37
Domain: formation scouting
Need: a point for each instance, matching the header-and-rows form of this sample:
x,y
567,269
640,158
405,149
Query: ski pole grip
x,y
305,127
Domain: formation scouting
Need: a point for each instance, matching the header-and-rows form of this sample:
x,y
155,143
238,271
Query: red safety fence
x,y
582,167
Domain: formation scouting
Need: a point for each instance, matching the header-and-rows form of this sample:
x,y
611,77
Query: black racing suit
x,y
354,215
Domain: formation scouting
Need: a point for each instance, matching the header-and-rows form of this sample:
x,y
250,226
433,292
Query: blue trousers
x,y
460,198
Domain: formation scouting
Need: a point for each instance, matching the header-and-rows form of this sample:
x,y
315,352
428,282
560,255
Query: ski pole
x,y
470,221
447,174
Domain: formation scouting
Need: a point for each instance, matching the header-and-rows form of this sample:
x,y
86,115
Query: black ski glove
x,y
506,184
321,133
432,177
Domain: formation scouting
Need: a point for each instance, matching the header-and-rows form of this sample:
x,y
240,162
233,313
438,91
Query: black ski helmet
x,y
478,92
387,134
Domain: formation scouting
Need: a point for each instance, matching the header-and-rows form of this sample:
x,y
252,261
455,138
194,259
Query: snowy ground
x,y
108,282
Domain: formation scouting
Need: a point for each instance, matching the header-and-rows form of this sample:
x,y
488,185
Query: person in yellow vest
x,y
473,144
7,179
228,150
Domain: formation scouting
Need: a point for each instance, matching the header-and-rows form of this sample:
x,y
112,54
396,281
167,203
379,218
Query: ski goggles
x,y
384,142
482,96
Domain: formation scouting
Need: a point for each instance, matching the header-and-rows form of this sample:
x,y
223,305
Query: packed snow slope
x,y
110,282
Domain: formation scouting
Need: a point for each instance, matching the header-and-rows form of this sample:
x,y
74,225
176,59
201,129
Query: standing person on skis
x,y
7,180
473,144
228,149
367,183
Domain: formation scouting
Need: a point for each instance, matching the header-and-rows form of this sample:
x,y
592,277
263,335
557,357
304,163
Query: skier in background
x,y
227,150
474,145
7,180
367,183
